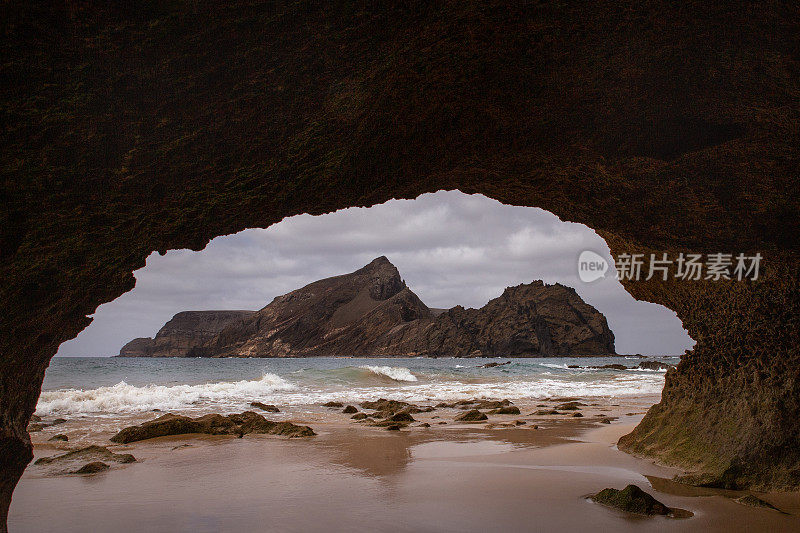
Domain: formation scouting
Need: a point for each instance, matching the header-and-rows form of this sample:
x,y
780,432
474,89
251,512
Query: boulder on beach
x,y
471,416
265,407
507,410
634,500
489,404
89,453
402,416
213,424
754,501
350,409
577,415
92,468
59,437
359,416
615,366
383,404
543,412
71,462
570,406
332,404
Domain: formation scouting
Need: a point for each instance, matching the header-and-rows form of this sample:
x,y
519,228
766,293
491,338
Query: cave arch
x,y
128,132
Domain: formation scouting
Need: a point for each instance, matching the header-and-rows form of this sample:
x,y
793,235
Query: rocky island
x,y
371,312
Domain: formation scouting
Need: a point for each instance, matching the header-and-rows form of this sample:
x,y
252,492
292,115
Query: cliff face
x,y
371,312
185,331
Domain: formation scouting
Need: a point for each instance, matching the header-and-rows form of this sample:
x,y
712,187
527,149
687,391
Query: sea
x,y
109,387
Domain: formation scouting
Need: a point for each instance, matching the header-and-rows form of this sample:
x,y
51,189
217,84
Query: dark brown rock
x,y
487,404
493,365
92,468
614,366
577,415
59,437
508,410
631,499
471,416
542,412
72,461
213,424
333,404
350,409
386,406
754,501
402,417
570,406
265,407
359,416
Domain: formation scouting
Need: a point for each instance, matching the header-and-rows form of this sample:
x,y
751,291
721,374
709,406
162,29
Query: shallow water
x,y
112,386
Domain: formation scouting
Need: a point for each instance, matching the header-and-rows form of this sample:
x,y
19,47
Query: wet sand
x,y
352,477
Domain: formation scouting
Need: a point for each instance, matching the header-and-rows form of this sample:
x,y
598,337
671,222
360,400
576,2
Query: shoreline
x,y
451,477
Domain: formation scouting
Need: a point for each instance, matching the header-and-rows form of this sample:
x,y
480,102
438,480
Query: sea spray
x,y
96,387
125,398
396,373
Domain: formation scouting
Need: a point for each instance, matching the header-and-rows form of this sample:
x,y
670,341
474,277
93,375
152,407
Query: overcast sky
x,y
451,248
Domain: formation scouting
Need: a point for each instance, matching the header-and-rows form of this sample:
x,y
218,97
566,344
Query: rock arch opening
x,y
111,160
450,248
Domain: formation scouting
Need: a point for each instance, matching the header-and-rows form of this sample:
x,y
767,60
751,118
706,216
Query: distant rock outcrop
x,y
371,312
184,331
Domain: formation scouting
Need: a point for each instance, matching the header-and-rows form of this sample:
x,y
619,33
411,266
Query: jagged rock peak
x,y
386,280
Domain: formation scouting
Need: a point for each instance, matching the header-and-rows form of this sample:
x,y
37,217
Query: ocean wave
x,y
395,373
453,390
124,398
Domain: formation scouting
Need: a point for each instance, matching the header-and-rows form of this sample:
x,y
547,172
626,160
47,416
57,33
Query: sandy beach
x,y
355,477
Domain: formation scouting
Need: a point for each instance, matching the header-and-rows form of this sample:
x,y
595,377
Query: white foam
x,y
124,398
396,373
399,384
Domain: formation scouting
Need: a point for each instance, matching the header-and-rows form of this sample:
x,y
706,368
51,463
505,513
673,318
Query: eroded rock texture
x,y
371,312
129,128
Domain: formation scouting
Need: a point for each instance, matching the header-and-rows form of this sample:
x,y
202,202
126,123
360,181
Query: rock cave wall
x,y
160,126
